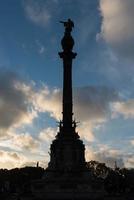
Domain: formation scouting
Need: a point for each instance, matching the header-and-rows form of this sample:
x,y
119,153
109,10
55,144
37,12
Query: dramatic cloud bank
x,y
21,102
117,25
91,106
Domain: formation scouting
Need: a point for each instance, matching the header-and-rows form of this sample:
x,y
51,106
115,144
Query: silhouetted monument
x,y
66,176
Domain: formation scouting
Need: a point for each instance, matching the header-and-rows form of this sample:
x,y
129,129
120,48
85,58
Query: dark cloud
x,y
14,102
93,102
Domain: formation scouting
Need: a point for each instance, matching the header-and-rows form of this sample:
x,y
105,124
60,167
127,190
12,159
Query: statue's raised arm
x,y
68,25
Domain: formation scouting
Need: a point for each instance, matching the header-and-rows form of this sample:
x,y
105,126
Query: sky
x,y
31,79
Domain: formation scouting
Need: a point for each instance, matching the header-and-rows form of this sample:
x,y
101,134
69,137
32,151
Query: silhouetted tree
x,y
114,181
18,180
98,169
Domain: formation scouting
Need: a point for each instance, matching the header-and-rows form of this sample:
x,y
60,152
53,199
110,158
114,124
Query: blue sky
x,y
31,78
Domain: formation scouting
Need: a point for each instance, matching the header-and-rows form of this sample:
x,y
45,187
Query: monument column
x,y
67,55
67,150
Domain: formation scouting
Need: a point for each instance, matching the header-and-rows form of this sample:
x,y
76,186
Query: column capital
x,y
66,55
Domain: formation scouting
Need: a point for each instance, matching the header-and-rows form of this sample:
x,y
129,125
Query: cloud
x,y
37,13
117,29
48,134
25,142
92,102
109,156
13,156
16,111
105,155
13,159
25,101
45,12
132,142
47,100
40,47
15,108
10,159
91,106
129,163
86,130
20,103
125,108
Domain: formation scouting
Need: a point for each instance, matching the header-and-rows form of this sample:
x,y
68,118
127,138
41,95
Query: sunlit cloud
x,y
130,161
48,100
26,142
117,29
11,159
14,159
105,155
48,134
132,142
125,109
85,130
92,106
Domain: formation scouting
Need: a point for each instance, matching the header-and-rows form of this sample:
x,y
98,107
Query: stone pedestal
x,y
67,154
65,185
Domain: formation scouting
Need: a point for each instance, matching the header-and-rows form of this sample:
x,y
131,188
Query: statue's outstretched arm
x,y
62,22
